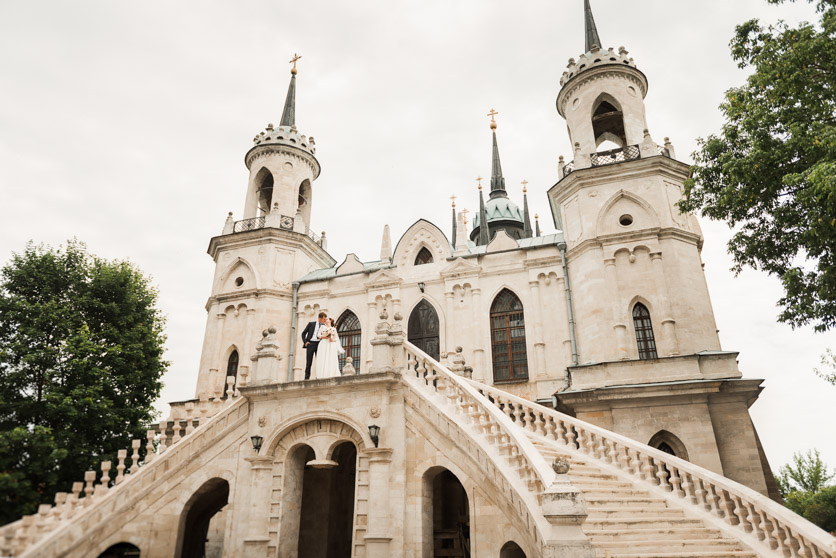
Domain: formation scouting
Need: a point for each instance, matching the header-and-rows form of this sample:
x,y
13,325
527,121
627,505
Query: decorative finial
x,y
536,217
493,113
465,211
453,197
479,182
293,61
524,183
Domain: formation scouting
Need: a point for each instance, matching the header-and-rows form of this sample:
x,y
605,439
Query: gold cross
x,y
479,181
465,211
492,113
295,58
454,200
524,183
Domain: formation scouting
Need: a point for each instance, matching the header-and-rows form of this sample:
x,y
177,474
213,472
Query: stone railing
x,y
91,501
758,520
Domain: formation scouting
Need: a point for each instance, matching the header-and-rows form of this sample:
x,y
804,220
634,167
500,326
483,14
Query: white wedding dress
x,y
327,364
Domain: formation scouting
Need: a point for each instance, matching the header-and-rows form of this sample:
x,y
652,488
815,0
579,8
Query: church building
x,y
503,393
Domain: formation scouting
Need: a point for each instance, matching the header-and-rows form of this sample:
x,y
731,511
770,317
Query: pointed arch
x,y
350,333
508,341
232,362
424,256
197,514
643,326
669,443
238,269
624,203
423,328
264,190
608,121
305,200
421,233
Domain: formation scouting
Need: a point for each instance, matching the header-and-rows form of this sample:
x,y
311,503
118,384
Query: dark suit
x,y
311,345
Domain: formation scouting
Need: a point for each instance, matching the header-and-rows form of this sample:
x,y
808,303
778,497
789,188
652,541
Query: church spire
x,y
592,37
497,180
289,112
454,220
484,233
526,219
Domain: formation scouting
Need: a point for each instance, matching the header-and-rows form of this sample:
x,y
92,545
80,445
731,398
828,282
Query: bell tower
x,y
258,258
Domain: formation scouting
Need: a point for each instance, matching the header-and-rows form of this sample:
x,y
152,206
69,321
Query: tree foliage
x,y
81,345
804,487
771,172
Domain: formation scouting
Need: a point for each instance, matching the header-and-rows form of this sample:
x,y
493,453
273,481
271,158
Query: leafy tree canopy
x,y
804,487
81,345
771,172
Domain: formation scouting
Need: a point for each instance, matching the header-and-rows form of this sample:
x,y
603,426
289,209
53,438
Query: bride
x,y
327,365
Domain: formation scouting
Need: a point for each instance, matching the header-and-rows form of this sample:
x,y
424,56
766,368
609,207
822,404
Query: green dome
x,y
500,209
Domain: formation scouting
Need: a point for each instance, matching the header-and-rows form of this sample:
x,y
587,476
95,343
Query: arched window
x,y
231,370
424,257
608,124
348,328
668,443
510,362
644,332
264,187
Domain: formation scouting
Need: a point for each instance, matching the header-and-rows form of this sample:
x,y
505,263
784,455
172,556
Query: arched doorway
x,y
511,550
446,515
231,370
422,328
326,503
121,550
201,533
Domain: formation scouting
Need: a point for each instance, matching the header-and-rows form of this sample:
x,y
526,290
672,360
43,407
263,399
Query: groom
x,y
310,340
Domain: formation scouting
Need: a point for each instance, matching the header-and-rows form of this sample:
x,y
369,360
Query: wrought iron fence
x,y
313,236
663,151
613,156
568,168
248,224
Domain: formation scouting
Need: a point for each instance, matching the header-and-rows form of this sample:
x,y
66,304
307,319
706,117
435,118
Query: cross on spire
x,y
479,182
293,61
453,197
465,211
524,183
493,113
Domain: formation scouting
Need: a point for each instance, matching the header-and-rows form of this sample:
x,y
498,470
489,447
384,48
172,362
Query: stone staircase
x,y
624,518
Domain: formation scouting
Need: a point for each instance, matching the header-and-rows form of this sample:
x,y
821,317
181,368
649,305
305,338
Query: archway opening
x,y
264,189
121,550
231,370
327,504
669,443
608,124
348,329
202,524
422,329
511,550
304,201
447,520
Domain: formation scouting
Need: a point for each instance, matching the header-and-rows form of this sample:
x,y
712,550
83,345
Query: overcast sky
x,y
125,124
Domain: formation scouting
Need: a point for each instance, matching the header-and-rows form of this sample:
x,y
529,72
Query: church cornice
x,y
629,73
244,296
260,151
654,235
278,237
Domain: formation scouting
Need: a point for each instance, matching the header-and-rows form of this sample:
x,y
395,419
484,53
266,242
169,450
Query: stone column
x,y
539,344
618,320
247,349
265,369
257,538
480,369
668,323
450,342
379,533
370,327
219,337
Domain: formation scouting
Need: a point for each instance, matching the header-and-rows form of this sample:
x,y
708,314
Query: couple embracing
x,y
320,339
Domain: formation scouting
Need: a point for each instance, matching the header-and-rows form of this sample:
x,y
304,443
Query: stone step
x,y
597,524
643,502
667,545
654,533
684,554
585,483
595,492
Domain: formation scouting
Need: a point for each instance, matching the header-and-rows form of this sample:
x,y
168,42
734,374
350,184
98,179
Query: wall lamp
x,y
257,441
421,286
374,433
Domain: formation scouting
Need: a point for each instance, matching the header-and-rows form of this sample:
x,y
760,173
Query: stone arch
x,y
264,185
509,351
446,512
621,204
421,233
231,363
511,550
202,505
121,550
240,268
305,200
350,331
636,299
424,327
423,255
669,443
608,121
322,421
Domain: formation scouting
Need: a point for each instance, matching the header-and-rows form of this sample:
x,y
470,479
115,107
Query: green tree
x,y
828,370
804,487
81,345
770,174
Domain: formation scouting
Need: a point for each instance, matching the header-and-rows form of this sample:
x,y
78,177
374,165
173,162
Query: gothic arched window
x,y
608,123
644,332
510,362
264,190
424,257
668,443
348,328
231,370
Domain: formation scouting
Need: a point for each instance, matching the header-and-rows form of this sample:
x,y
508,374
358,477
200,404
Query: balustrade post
x,y
121,455
149,447
565,509
135,445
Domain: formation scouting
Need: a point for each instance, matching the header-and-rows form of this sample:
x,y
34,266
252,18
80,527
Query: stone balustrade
x,y
24,537
754,518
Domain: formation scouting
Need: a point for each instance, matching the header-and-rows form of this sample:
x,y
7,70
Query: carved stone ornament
x,y
384,315
561,465
262,421
374,412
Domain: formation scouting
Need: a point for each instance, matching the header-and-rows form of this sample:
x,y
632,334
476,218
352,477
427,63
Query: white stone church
x,y
504,393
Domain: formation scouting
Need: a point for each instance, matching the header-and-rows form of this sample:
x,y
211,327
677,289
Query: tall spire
x,y
526,219
592,37
454,220
289,112
536,225
484,233
497,180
